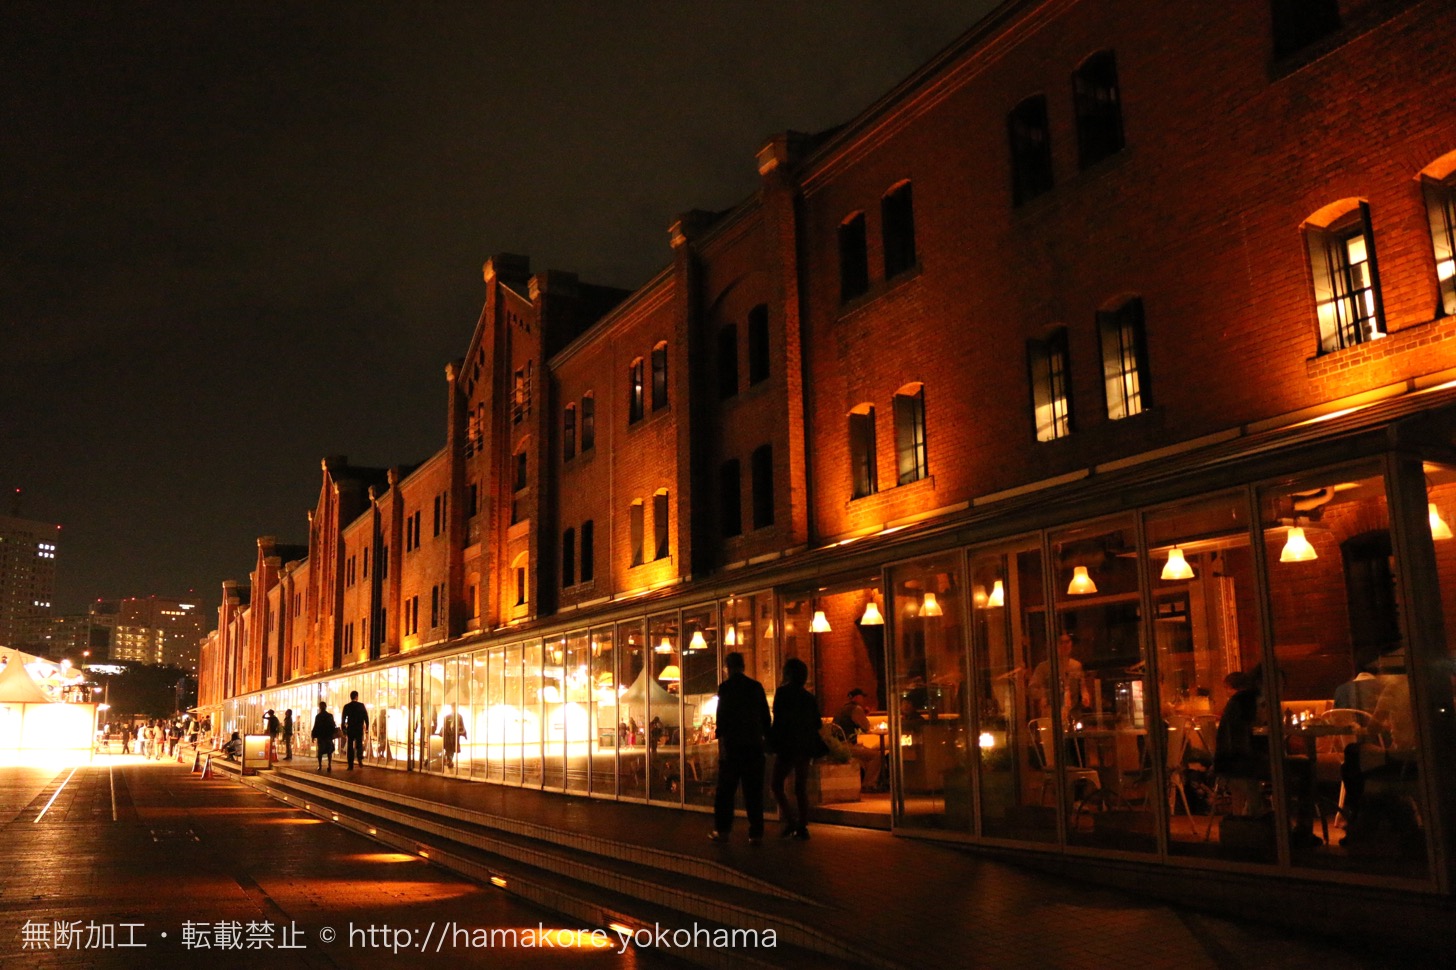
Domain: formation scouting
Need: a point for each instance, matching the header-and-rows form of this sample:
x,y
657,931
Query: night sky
x,y
236,238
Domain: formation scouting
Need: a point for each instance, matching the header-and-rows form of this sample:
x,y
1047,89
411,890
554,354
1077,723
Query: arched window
x,y
1051,403
659,525
568,433
635,389
588,422
1438,185
911,455
1345,275
1099,109
1031,149
659,376
854,270
897,229
519,570
1124,359
862,450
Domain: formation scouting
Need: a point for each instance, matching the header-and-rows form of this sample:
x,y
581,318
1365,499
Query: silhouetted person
x,y
355,722
323,733
743,724
288,734
795,741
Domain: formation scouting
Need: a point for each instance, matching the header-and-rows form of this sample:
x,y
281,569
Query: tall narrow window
x,y
519,567
1441,210
763,488
635,522
588,551
727,361
1050,396
897,230
854,269
434,606
659,524
568,433
730,498
1099,109
1031,149
634,391
521,398
568,558
659,376
1299,23
758,353
520,479
1346,280
862,450
588,422
1124,360
911,457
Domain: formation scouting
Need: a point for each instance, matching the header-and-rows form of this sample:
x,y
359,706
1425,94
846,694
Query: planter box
x,y
830,782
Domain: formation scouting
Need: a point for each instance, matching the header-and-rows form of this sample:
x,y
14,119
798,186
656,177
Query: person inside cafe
x,y
853,719
1240,758
1075,697
1377,767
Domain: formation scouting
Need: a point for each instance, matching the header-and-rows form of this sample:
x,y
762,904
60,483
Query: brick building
x,y
1114,327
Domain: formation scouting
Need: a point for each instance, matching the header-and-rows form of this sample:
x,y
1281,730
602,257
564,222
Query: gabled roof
x,y
16,684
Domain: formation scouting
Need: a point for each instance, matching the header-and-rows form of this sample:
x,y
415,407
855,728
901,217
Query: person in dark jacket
x,y
743,726
323,733
795,741
355,721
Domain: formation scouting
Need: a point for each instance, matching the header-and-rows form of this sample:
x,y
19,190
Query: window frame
x,y
588,422
897,229
912,454
1122,336
1097,100
568,432
1338,300
1029,135
864,468
661,532
1049,371
636,391
659,376
854,259
1440,199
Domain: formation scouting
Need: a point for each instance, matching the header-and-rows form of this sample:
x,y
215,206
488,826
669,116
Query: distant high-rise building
x,y
151,629
27,582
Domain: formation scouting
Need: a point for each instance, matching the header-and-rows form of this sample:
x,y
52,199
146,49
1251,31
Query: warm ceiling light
x,y
1297,547
872,615
998,595
1177,567
670,674
929,606
730,636
697,642
1081,583
665,646
1439,528
821,623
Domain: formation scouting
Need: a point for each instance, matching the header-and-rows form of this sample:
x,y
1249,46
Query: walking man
x,y
743,724
355,723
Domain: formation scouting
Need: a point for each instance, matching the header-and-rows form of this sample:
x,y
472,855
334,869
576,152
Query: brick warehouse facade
x,y
1099,284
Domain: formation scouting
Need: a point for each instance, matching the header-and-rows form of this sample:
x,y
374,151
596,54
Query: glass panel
x,y
473,751
553,700
1087,696
1018,795
576,711
1342,712
795,642
516,722
931,703
605,733
501,719
699,688
533,734
632,692
664,718
1206,632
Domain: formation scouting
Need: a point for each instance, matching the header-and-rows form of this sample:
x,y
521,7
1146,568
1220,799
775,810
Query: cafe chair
x,y
1042,743
1330,750
1180,730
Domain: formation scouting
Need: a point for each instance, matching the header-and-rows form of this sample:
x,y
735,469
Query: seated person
x,y
853,720
234,747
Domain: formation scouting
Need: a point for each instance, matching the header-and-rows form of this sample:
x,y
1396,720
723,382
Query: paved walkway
x,y
919,903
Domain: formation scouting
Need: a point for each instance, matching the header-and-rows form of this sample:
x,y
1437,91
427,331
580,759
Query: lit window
x,y
1124,360
1099,109
1050,395
911,458
854,272
1031,149
897,230
1346,280
1441,210
862,450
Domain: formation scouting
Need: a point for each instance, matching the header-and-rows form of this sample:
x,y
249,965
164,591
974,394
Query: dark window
x,y
635,519
763,488
659,525
520,585
910,452
366,563
568,433
854,267
1346,281
1050,395
472,500
1031,150
634,391
730,498
588,551
520,481
1124,360
1298,23
897,229
727,361
1099,109
758,356
659,376
568,558
588,423
434,606
862,451
1441,211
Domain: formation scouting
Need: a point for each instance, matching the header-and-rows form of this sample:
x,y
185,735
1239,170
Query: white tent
x,y
31,721
646,688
